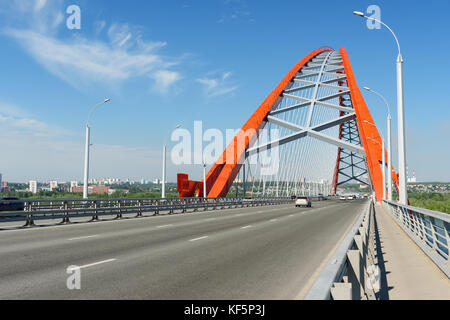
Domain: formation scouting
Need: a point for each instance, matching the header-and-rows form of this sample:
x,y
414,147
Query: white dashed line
x,y
273,220
92,264
82,238
197,239
165,226
246,227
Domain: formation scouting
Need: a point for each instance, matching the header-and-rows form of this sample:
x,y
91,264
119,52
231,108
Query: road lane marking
x,y
273,220
165,226
82,238
291,215
197,239
93,264
246,227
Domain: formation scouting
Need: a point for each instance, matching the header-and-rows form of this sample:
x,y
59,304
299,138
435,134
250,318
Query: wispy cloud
x,y
164,79
40,15
236,10
39,150
81,61
39,4
13,118
217,86
46,158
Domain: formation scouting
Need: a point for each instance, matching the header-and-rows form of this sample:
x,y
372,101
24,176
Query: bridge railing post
x,y
156,204
66,219
139,203
95,215
30,221
119,206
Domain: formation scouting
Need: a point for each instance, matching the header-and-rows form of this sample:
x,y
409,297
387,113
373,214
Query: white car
x,y
303,202
342,198
350,198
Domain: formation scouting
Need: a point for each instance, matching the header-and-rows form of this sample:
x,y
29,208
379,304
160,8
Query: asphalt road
x,y
271,252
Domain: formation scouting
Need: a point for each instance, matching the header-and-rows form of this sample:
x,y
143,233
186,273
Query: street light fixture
x,y
87,147
163,182
403,195
389,142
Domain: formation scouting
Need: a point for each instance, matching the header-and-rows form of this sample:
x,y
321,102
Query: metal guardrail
x,y
65,209
351,273
428,229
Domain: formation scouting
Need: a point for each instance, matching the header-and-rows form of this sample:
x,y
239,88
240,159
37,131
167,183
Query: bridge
x,y
238,234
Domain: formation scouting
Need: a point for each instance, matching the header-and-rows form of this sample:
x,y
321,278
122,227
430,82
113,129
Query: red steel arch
x,y
221,176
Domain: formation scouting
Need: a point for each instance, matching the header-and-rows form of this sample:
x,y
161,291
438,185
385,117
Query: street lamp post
x,y
403,193
384,169
87,147
383,164
389,141
204,178
389,137
163,182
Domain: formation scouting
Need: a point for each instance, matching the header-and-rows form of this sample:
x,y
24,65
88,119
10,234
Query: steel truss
x,y
351,165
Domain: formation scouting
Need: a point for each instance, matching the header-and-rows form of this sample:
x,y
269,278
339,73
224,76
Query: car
x,y
342,198
350,198
303,202
11,204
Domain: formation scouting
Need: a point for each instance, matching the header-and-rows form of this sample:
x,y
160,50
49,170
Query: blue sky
x,y
168,62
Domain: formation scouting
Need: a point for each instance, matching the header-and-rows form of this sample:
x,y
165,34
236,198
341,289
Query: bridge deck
x,y
268,252
411,275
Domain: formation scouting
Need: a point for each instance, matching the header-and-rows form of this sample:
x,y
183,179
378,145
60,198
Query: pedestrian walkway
x,y
408,272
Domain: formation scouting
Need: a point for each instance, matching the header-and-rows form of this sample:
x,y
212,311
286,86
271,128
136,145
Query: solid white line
x,y
164,226
94,264
246,227
197,239
82,238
